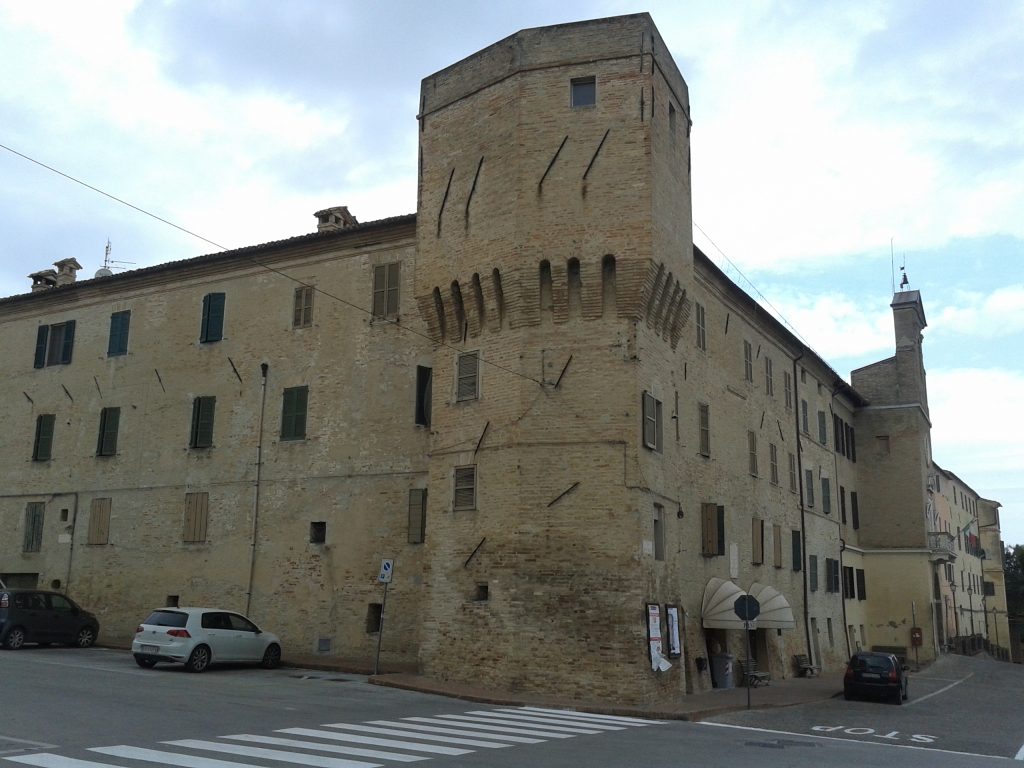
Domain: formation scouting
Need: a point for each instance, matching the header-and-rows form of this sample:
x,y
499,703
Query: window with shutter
x,y
417,515
849,591
42,446
465,488
769,377
99,522
842,504
659,532
293,413
302,310
792,473
773,462
854,511
54,344
798,559
809,486
777,544
822,428
812,572
757,541
202,422
468,383
117,342
748,361
862,590
834,570
826,496
385,290
33,541
424,393
752,453
652,422
212,327
787,386
196,517
702,334
804,418
704,422
106,444
710,530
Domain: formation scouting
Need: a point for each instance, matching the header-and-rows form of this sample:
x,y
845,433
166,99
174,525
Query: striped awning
x,y
717,611
776,612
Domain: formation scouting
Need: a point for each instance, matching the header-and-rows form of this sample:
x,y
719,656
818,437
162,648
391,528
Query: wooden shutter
x,y
652,421
826,496
302,313
468,368
757,540
704,420
107,442
213,317
42,336
99,522
798,559
293,413
196,516
465,487
854,511
203,409
380,290
709,530
812,567
721,530
777,544
69,342
862,591
117,343
33,541
417,515
391,306
424,393
43,446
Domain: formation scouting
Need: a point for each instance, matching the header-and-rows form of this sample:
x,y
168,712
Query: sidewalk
x,y
697,706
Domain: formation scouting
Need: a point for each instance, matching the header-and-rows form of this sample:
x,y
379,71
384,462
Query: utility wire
x,y
259,263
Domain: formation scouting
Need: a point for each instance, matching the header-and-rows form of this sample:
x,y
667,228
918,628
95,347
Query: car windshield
x,y
871,664
167,619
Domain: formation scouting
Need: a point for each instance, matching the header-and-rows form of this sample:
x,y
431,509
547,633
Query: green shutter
x,y
41,450
107,442
42,336
117,344
69,342
293,413
203,409
213,318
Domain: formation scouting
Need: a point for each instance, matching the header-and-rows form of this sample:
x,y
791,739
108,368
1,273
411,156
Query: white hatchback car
x,y
198,637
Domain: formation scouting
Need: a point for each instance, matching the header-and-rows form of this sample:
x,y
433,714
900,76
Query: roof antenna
x,y
892,266
904,281
109,264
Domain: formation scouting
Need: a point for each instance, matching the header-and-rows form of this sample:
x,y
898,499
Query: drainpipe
x,y
71,550
803,513
264,367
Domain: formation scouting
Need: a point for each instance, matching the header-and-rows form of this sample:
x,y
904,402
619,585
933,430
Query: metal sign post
x,y
387,570
747,608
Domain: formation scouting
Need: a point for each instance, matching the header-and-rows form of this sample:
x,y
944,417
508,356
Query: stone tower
x,y
554,242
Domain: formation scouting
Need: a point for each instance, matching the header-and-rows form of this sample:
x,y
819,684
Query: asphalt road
x,y
69,708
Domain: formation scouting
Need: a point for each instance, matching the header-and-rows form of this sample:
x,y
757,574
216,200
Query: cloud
x,y
976,314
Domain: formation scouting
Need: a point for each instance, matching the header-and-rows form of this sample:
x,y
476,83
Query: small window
x,y
54,344
424,391
293,413
302,311
117,343
42,446
464,496
583,91
773,463
197,506
201,435
704,426
99,522
652,422
752,453
797,551
482,593
106,443
702,331
374,613
212,327
468,384
757,541
33,541
317,532
712,519
385,290
417,515
748,361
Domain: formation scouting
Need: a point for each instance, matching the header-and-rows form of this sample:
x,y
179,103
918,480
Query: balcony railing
x,y
941,545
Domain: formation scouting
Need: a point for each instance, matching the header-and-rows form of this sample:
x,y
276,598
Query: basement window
x,y
317,532
482,593
583,91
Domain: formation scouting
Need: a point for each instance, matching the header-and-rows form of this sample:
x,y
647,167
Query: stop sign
x,y
747,607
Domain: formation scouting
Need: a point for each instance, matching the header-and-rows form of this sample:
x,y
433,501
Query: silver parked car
x,y
198,637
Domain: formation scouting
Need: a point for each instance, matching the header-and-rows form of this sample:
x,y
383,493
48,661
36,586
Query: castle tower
x,y
554,241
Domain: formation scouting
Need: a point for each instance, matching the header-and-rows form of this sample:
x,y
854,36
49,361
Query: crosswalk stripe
x,y
484,717
272,754
466,722
546,720
406,734
457,731
170,758
320,746
46,760
639,721
375,742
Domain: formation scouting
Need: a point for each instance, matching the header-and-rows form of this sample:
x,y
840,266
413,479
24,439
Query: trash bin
x,y
721,669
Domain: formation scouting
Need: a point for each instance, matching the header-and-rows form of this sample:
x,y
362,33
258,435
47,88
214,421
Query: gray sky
x,y
830,142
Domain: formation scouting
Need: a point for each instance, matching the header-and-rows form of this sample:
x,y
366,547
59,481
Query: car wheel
x,y
15,638
85,638
899,696
199,660
272,656
145,663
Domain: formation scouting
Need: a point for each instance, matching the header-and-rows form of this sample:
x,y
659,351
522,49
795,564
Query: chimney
x,y
331,219
67,270
44,280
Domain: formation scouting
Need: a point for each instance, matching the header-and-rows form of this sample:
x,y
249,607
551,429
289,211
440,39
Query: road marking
x,y
529,719
855,741
1020,753
398,733
170,758
452,731
591,716
321,747
44,760
455,720
919,699
486,718
37,744
272,754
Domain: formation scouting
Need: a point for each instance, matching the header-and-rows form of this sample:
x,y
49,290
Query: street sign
x,y
747,607
387,568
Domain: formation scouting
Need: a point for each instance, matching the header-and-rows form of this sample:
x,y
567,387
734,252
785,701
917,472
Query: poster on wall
x,y
658,662
675,647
